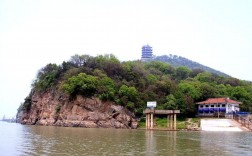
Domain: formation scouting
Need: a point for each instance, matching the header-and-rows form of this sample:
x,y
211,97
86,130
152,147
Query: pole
x,y
146,120
151,120
168,123
171,120
175,121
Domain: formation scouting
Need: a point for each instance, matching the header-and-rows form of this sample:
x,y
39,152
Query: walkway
x,y
220,125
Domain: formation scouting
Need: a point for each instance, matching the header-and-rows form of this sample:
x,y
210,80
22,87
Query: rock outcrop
x,y
54,109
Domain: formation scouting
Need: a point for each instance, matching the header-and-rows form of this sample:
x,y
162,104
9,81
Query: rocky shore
x,y
54,109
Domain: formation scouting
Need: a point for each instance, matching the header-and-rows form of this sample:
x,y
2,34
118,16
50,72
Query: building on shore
x,y
218,106
146,53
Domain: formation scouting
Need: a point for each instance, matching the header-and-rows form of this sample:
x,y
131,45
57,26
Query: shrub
x,y
82,84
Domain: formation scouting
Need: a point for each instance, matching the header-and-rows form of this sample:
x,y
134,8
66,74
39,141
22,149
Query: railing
x,y
245,120
229,115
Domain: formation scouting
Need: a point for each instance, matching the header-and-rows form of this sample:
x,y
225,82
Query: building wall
x,y
212,108
232,107
221,107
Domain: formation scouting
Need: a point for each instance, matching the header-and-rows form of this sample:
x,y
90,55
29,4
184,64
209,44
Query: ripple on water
x,y
42,140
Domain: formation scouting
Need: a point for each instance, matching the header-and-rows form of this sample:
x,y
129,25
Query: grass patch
x,y
162,123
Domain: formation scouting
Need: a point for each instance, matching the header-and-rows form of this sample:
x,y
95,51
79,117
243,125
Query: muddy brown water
x,y
16,139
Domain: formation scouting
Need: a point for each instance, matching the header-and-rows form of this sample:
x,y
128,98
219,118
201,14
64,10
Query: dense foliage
x,y
177,61
133,83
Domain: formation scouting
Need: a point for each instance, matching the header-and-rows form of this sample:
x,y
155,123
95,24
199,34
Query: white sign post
x,y
151,104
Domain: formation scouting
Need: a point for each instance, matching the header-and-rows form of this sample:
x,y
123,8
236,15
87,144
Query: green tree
x,y
233,81
204,77
239,93
133,83
207,91
47,77
182,73
151,79
128,95
82,84
26,105
189,88
71,72
160,66
80,60
132,93
195,72
221,90
171,102
106,89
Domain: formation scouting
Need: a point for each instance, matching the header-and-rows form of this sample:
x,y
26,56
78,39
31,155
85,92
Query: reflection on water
x,y
163,143
41,140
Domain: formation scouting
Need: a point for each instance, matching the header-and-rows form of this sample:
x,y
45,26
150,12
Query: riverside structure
x,y
171,118
218,107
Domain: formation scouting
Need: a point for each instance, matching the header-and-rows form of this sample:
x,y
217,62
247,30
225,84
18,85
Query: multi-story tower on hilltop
x,y
146,52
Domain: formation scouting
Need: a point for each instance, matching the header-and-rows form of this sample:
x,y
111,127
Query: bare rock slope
x,y
53,109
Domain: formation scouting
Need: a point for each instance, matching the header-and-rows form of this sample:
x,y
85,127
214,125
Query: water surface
x,y
24,140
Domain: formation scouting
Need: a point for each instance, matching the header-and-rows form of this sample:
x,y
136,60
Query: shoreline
x,y
206,124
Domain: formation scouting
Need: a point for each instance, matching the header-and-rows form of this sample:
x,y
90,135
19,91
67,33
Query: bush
x,y
106,89
47,77
82,84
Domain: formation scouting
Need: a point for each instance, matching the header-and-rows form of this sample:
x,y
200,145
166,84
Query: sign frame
x,y
152,104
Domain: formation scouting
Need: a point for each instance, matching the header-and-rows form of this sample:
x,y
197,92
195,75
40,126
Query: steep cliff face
x,y
54,109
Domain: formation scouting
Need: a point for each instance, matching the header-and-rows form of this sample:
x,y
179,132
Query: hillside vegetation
x,y
133,83
177,61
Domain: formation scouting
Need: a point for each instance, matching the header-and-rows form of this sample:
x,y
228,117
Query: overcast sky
x,y
33,33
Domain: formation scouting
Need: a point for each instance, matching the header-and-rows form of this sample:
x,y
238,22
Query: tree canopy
x,y
133,83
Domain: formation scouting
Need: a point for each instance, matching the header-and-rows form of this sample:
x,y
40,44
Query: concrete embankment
x,y
221,125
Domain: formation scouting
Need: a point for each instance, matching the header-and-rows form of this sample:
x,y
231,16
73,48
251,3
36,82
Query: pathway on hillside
x,y
220,125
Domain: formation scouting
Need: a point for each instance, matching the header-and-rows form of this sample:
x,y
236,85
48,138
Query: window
x,y
212,105
201,106
207,106
223,105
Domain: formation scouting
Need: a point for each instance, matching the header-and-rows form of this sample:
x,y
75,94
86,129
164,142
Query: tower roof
x,y
147,46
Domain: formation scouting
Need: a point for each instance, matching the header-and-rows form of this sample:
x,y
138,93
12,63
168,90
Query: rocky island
x,y
102,92
53,109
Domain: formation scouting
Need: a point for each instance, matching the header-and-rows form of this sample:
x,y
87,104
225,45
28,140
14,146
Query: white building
x,y
217,105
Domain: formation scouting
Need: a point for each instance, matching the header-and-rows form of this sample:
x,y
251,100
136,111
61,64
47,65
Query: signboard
x,y
151,104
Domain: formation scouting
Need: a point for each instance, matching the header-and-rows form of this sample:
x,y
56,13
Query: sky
x,y
33,33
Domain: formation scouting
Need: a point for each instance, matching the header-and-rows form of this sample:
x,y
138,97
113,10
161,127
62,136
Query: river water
x,y
16,139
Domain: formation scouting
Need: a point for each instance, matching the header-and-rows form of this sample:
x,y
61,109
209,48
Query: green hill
x,y
177,61
133,83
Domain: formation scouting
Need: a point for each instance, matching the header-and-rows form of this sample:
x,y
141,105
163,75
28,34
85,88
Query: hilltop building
x,y
146,52
213,106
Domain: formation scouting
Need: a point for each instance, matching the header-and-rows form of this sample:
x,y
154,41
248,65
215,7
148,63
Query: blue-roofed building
x,y
146,52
